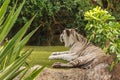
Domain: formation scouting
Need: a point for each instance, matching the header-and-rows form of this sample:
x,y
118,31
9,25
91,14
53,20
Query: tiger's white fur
x,y
81,54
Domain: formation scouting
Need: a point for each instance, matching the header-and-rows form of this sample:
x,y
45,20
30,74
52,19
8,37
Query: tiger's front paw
x,y
55,53
51,57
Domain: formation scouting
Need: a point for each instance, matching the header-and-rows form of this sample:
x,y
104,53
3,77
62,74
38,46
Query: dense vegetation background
x,y
55,15
97,24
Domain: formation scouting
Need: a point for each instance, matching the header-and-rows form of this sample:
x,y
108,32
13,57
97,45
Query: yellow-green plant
x,y
11,57
103,30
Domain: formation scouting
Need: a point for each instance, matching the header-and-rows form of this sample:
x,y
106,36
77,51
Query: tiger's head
x,y
69,37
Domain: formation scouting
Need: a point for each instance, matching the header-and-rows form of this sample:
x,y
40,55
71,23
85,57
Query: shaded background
x,y
55,15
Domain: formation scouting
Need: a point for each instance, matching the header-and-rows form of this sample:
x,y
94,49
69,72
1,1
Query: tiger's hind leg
x,y
62,65
86,61
82,62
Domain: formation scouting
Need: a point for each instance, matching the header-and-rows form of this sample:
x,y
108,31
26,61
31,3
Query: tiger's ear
x,y
67,32
76,29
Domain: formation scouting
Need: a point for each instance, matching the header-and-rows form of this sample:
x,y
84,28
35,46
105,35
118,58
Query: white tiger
x,y
81,54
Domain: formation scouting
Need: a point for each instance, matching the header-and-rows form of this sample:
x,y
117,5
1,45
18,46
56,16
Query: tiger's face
x,y
69,36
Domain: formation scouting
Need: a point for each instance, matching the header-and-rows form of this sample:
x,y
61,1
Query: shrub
x,y
11,55
103,30
53,16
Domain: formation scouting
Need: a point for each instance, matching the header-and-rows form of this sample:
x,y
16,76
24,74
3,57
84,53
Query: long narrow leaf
x,y
23,74
10,70
21,45
3,9
10,58
8,18
34,74
25,39
1,21
7,60
7,27
15,39
16,74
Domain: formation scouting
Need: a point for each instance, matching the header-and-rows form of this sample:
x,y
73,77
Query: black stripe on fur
x,y
67,32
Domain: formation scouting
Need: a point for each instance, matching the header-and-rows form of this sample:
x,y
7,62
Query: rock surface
x,y
61,74
80,74
74,74
100,72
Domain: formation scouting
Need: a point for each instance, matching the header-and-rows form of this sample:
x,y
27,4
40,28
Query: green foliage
x,y
111,5
11,57
53,16
34,73
103,30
